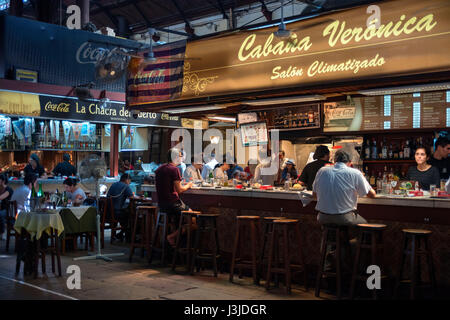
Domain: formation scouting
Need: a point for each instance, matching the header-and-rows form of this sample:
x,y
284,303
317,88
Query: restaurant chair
x,y
11,213
207,224
369,240
108,220
31,251
415,246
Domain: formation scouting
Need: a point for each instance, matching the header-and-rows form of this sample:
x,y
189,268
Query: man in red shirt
x,y
168,187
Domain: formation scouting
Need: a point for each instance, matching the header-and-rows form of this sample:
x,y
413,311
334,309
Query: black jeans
x,y
174,211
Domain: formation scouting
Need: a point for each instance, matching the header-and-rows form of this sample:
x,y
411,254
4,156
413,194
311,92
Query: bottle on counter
x,y
33,192
40,192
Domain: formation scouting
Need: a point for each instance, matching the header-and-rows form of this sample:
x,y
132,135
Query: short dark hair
x,y
4,178
341,156
66,157
171,152
124,177
427,150
282,152
441,141
29,178
321,151
70,182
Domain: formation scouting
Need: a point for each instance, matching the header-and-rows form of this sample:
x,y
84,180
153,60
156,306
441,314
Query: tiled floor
x,y
123,280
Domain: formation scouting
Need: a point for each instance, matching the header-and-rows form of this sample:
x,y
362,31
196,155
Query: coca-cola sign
x,y
87,53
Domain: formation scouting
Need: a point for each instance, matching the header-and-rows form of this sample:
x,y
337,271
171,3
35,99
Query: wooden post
x,y
114,151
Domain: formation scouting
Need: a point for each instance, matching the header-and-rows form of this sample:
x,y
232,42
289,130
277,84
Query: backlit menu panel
x,y
392,112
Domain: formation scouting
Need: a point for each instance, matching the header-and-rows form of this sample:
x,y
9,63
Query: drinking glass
x,y
432,190
443,182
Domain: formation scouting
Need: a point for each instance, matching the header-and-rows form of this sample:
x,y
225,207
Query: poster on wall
x,y
128,133
418,110
253,134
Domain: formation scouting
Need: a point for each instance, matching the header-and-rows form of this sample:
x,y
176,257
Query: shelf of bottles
x,y
386,158
44,139
304,117
393,150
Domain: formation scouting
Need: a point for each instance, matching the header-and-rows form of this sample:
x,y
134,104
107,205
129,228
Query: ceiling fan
x,y
149,56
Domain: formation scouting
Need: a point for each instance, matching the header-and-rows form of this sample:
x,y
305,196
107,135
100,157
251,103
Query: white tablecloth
x,y
78,212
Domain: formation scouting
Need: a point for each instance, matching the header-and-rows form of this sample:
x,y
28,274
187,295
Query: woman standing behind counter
x,y
423,173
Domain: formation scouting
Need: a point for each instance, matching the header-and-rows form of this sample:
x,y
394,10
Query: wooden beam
x,y
107,12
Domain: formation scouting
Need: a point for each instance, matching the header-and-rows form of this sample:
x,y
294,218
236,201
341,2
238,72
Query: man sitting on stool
x,y
337,189
168,187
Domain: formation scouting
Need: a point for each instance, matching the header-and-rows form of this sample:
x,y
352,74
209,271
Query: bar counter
x,y
396,212
50,185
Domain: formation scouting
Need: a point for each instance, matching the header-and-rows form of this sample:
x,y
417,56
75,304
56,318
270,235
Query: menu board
x,y
389,112
253,134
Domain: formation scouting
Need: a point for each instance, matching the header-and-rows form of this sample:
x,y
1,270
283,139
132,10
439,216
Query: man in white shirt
x,y
192,172
337,189
22,194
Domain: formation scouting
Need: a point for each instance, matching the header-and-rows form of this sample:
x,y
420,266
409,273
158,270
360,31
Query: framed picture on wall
x,y
254,133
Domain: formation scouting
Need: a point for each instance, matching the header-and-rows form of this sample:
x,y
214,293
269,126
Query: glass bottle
x,y
374,149
367,150
407,150
40,193
384,150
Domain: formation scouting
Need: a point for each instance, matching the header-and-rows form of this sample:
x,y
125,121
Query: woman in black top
x,y
33,167
321,157
424,173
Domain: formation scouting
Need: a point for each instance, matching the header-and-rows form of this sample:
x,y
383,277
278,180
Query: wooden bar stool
x,y
185,223
237,261
282,226
161,222
416,237
144,215
267,231
340,240
206,224
370,240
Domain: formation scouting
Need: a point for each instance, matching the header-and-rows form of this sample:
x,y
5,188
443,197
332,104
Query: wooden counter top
x,y
421,202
